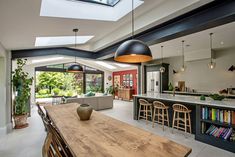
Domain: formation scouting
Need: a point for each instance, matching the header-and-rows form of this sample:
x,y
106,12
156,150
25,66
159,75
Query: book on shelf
x,y
221,132
223,116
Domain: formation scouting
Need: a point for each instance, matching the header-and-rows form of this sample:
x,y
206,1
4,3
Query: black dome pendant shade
x,y
133,51
75,68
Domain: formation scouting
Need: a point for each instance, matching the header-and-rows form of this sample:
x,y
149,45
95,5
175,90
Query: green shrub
x,y
43,91
56,91
69,93
43,96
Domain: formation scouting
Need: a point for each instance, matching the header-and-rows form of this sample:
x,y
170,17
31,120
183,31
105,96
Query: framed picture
x,y
131,83
131,77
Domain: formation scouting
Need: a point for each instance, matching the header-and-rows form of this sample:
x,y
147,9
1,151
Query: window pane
x,y
94,82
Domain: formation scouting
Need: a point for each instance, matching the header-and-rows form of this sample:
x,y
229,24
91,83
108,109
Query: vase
x,y
84,112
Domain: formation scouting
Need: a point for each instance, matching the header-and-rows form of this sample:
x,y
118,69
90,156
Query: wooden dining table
x,y
103,136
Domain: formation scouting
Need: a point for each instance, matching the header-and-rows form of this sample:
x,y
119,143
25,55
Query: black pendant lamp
x,y
75,68
133,51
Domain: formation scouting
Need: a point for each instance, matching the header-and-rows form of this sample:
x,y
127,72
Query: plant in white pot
x,y
21,84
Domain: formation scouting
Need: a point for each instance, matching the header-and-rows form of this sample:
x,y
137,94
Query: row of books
x,y
226,116
220,132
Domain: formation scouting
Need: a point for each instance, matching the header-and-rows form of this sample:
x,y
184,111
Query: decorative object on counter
x,y
202,97
212,64
232,68
133,51
170,87
181,85
183,65
84,112
223,91
74,68
162,68
217,97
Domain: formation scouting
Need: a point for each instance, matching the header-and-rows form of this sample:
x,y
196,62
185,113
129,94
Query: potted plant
x,y
21,84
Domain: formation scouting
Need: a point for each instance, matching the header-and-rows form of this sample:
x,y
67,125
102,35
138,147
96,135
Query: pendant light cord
x,y
183,52
161,54
211,45
132,19
75,40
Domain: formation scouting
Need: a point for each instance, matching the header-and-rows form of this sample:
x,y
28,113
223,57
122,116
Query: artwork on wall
x,y
109,77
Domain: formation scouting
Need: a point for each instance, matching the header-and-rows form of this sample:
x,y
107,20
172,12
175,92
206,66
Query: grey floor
x,y
28,142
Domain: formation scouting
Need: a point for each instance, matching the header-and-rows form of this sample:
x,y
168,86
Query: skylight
x,y
122,65
82,10
47,59
62,40
110,3
106,65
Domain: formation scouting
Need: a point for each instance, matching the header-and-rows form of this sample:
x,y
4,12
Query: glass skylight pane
x,y
103,2
81,10
62,40
106,65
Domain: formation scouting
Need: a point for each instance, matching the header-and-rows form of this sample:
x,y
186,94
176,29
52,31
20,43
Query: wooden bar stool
x,y
162,113
146,108
179,112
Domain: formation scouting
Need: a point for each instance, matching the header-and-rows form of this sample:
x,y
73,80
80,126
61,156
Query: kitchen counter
x,y
196,93
229,103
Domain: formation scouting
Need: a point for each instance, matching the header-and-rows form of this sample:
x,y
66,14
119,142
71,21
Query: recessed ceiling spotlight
x,y
222,43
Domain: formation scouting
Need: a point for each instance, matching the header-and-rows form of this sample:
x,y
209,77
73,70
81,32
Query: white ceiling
x,y
223,37
21,23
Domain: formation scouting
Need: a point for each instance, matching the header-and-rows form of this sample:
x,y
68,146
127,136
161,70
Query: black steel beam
x,y
51,51
211,15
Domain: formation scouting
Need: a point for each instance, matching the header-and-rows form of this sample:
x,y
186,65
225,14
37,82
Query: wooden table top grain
x,y
103,136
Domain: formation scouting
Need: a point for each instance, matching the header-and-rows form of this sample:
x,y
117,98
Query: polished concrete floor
x,y
28,142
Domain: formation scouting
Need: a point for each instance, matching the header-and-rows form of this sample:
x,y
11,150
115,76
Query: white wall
x,y
198,76
5,92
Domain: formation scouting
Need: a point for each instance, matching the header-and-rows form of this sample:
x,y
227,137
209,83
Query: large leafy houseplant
x,y
21,84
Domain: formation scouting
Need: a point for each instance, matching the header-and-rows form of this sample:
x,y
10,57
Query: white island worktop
x,y
229,103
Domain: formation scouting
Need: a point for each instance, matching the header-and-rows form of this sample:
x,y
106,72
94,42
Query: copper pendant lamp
x,y
133,51
75,68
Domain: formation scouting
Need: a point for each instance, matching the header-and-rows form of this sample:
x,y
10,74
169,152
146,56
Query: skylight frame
x,y
100,3
61,40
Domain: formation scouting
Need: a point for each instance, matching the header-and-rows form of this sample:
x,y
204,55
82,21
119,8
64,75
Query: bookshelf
x,y
216,126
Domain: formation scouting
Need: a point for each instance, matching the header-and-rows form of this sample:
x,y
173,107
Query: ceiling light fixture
x,y
133,51
106,65
122,65
212,64
183,65
47,59
162,68
74,68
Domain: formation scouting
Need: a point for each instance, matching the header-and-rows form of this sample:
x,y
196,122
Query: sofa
x,y
97,102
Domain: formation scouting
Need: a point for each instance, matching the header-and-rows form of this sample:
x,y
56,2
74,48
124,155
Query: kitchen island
x,y
199,124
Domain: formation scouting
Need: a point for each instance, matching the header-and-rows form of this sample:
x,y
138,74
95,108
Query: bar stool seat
x,y
162,113
182,117
145,108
